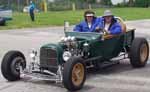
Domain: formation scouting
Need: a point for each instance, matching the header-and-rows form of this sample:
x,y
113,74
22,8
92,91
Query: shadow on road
x,y
123,66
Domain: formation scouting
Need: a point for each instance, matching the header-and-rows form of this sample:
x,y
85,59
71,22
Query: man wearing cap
x,y
109,23
89,24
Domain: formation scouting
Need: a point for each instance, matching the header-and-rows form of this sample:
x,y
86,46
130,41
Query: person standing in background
x,y
31,10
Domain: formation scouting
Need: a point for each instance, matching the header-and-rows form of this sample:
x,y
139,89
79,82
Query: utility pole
x,y
8,3
124,2
131,2
45,5
18,5
27,2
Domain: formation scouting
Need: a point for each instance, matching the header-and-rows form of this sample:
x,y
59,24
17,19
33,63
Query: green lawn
x,y
22,20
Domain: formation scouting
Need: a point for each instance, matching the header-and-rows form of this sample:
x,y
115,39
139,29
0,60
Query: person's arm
x,y
99,27
116,29
78,28
29,8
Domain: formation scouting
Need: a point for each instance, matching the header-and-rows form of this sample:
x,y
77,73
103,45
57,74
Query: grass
x,y
51,18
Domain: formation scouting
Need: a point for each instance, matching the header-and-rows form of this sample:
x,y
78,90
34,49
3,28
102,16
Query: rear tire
x,y
139,52
11,63
74,74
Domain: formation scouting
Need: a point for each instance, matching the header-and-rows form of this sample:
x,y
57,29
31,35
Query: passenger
x,y
109,23
89,24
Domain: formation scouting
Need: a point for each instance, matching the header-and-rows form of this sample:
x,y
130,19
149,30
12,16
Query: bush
x,y
142,3
58,6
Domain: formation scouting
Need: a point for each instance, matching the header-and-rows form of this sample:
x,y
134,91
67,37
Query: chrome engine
x,y
71,47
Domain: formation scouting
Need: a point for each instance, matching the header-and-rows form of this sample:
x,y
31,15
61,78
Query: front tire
x,y
11,63
74,74
139,52
2,21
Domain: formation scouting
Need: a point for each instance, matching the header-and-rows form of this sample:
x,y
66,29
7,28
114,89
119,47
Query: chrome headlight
x,y
66,55
33,53
62,39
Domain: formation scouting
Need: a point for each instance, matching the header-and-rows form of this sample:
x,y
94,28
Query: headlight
x,y
62,39
66,55
33,53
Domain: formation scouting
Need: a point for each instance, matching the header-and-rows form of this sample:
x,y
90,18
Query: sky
x,y
117,1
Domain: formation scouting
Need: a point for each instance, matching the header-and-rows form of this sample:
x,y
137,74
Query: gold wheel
x,y
143,53
74,74
78,74
139,52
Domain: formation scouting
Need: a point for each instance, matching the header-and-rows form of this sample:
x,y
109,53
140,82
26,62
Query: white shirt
x,y
89,25
107,25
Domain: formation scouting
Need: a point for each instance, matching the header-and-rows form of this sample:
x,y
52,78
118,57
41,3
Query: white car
x,y
6,14
26,9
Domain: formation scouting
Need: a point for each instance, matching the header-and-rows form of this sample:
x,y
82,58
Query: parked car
x,y
5,14
26,9
2,21
66,62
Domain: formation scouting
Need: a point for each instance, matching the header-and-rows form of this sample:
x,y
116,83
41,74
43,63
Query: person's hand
x,y
106,32
98,29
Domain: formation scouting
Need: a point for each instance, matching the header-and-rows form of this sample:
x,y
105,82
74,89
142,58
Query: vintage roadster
x,y
67,61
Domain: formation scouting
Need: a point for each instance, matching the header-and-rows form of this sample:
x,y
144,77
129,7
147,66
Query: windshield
x,y
68,30
85,35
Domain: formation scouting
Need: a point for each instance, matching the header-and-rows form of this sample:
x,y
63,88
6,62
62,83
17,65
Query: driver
x,y
89,24
109,23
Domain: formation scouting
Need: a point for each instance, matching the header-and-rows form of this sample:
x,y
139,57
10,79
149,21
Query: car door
x,y
108,48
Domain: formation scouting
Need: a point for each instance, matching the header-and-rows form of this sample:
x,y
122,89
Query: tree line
x,y
135,3
67,4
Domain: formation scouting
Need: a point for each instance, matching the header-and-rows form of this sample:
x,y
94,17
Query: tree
x,y
124,2
90,1
106,2
131,3
142,3
87,1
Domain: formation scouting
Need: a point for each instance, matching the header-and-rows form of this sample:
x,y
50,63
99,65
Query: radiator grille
x,y
48,57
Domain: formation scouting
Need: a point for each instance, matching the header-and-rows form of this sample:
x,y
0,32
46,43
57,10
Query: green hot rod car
x,y
67,61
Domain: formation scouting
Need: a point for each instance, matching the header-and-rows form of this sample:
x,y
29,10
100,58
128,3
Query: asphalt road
x,y
118,78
